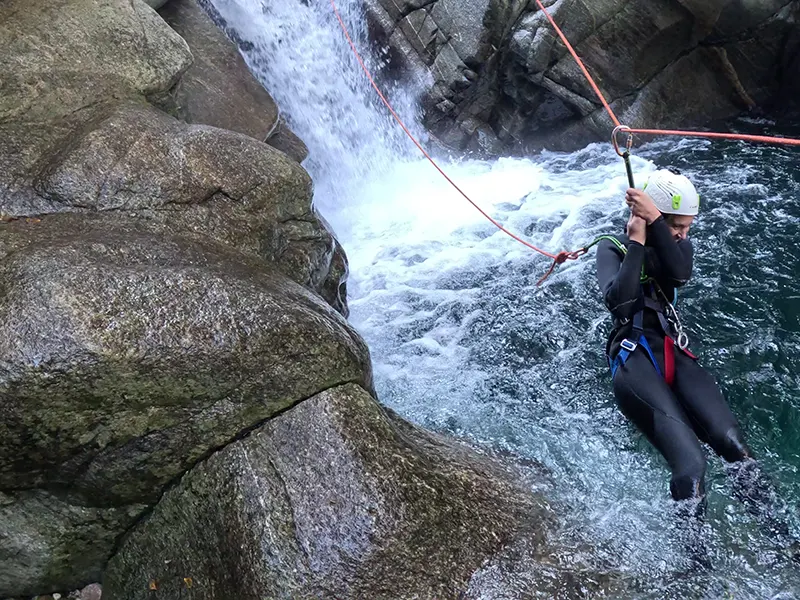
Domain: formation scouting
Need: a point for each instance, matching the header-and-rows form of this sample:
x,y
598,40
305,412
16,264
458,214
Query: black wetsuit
x,y
674,418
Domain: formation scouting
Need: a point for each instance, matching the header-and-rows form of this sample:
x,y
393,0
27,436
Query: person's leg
x,y
702,400
646,400
714,423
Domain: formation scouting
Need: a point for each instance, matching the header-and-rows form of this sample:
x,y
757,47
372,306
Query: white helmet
x,y
673,194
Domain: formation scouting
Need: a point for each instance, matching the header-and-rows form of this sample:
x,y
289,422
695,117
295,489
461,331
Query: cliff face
x,y
501,80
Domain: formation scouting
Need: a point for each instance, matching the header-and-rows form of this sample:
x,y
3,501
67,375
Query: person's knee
x,y
730,445
688,479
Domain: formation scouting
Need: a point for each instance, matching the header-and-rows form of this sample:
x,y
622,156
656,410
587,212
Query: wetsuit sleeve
x,y
675,258
619,277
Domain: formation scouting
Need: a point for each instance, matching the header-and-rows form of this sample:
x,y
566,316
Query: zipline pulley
x,y
626,153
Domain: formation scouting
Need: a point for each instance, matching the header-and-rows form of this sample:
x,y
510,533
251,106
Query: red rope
x,y
580,64
767,139
557,258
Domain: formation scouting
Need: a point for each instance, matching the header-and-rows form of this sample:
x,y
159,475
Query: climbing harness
x,y
670,325
672,318
629,345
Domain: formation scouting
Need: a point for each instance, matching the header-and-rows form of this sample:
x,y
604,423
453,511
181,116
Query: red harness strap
x,y
669,360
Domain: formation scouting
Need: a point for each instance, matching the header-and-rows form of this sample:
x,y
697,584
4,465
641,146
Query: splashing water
x,y
464,342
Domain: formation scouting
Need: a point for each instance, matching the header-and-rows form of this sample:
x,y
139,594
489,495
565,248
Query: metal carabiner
x,y
628,143
626,155
683,340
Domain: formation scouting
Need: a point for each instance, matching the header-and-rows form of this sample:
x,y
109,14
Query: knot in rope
x,y
560,259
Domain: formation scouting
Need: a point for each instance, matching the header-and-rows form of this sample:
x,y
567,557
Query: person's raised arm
x,y
675,257
619,275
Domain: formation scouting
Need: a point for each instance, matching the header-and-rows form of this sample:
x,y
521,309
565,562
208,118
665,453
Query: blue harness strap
x,y
627,347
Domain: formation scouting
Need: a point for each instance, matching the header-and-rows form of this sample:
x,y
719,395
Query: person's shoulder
x,y
613,243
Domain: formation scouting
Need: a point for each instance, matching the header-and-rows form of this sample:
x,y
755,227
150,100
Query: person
x,y
658,383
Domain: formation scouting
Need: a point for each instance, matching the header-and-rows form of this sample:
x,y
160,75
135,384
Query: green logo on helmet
x,y
676,202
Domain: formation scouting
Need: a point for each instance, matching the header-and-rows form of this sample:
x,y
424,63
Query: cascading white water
x,y
324,93
462,340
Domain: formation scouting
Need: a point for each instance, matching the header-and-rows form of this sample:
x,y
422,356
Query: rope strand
x,y
555,257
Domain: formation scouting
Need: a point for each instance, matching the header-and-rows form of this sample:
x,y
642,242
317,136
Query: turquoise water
x,y
521,369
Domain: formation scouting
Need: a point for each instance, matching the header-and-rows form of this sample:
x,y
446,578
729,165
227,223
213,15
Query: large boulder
x,y
65,56
128,353
247,107
340,499
61,61
226,185
85,139
218,89
500,79
164,287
